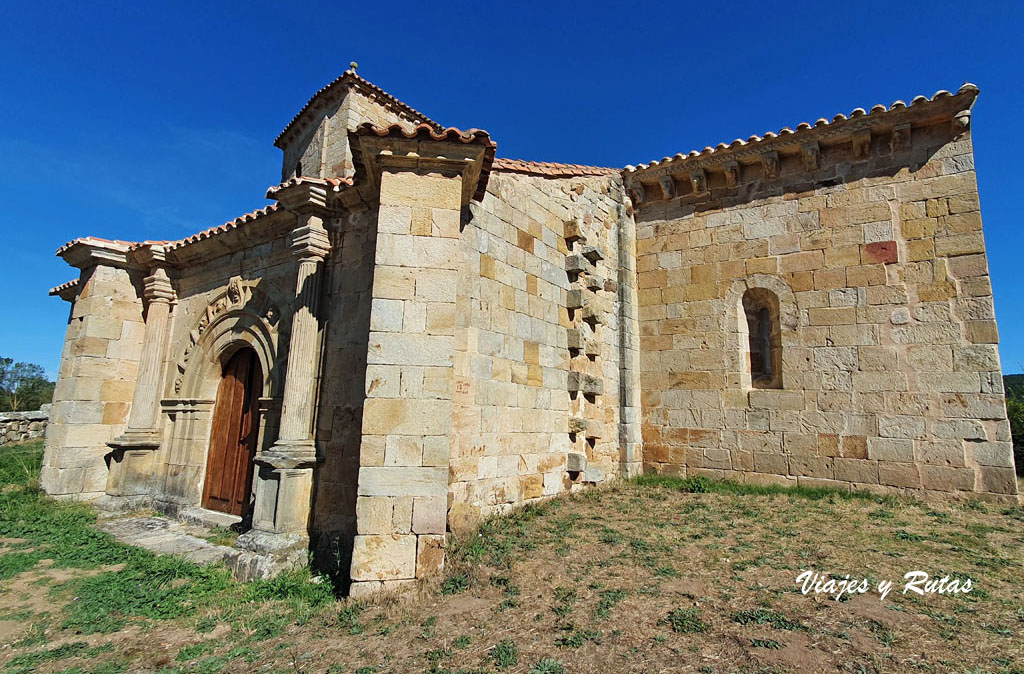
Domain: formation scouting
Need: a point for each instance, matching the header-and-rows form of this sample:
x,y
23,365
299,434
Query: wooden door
x,y
233,437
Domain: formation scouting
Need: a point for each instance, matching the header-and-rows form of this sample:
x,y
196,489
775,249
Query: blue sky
x,y
138,121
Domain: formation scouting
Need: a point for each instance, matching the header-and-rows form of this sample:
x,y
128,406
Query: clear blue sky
x,y
134,121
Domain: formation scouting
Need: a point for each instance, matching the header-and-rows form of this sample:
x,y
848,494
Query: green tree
x,y
1015,412
23,386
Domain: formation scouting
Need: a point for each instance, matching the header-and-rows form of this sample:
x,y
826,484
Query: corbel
x,y
810,153
668,187
900,139
732,173
770,164
862,144
698,180
961,120
636,193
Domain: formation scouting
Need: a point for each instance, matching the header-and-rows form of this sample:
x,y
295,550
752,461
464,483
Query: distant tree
x,y
23,386
1014,386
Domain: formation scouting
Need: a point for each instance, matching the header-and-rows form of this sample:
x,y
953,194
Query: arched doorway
x,y
233,436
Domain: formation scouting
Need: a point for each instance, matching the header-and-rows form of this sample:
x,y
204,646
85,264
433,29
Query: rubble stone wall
x,y
22,426
890,370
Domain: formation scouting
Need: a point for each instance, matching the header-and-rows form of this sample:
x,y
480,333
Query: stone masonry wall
x,y
891,375
323,148
95,382
21,426
515,421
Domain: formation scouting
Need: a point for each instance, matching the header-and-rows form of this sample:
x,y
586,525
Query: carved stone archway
x,y
239,316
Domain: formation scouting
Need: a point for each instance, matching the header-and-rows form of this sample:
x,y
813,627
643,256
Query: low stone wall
x,y
21,426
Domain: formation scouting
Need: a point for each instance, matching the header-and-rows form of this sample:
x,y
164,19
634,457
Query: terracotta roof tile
x,y
967,89
335,183
553,169
64,286
226,227
94,240
350,76
427,132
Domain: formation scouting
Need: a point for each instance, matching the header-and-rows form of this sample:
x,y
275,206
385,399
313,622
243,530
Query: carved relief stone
x,y
699,181
770,164
900,139
732,173
862,144
811,156
668,187
241,296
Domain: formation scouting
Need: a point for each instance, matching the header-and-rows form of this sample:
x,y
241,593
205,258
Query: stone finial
x,y
352,65
900,139
732,173
668,187
862,144
770,164
811,156
699,181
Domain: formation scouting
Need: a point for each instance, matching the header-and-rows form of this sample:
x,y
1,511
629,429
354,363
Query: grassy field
x,y
657,575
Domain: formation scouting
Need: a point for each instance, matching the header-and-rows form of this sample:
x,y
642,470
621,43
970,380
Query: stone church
x,y
417,333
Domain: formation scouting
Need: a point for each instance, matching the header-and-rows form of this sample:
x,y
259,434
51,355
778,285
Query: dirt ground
x,y
627,578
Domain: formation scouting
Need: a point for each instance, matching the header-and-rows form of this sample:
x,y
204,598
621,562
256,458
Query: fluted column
x,y
132,462
284,485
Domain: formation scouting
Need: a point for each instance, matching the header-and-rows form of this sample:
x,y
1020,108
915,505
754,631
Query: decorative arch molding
x,y
240,315
737,346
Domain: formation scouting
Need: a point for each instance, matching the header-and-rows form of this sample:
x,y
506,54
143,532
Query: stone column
x,y
132,459
401,504
285,471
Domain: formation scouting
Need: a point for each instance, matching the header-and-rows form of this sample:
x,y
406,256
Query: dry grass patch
x,y
636,577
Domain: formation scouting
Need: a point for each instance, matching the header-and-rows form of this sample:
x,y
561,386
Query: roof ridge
x,y
365,84
897,105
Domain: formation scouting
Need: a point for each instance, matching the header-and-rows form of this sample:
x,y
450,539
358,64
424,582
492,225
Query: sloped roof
x,y
350,78
550,169
967,91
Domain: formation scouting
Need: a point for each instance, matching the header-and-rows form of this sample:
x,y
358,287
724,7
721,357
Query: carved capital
x,y
811,156
310,241
770,164
157,287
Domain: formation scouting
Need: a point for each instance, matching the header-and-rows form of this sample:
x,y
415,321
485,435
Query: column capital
x,y
157,287
309,241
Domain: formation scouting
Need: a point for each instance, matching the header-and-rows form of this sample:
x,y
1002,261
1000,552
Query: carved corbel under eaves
x,y
732,173
699,180
668,187
636,193
770,164
810,154
861,144
899,141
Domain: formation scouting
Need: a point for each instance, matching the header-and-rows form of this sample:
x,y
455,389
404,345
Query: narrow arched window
x,y
764,339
